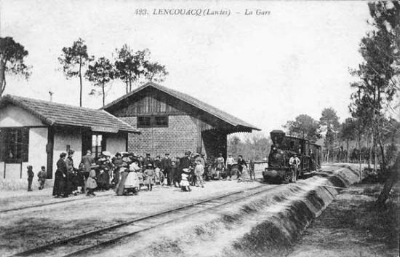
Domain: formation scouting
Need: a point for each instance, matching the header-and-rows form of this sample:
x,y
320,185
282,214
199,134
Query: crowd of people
x,y
127,173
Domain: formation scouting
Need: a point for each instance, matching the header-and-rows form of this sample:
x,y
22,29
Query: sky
x,y
265,69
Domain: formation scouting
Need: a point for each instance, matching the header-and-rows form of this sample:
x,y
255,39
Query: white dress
x,y
132,180
185,180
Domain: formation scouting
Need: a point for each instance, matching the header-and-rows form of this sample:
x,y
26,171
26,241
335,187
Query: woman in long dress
x,y
132,180
123,174
60,181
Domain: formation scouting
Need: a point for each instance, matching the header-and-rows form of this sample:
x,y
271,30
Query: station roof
x,y
56,114
238,124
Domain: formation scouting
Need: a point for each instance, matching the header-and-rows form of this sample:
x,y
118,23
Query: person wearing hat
x,y
184,162
148,160
60,177
294,163
166,164
117,162
71,176
149,174
123,174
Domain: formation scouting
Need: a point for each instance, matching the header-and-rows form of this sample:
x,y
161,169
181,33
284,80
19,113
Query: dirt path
x,y
351,226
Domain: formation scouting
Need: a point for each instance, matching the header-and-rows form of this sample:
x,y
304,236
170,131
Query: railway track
x,y
83,244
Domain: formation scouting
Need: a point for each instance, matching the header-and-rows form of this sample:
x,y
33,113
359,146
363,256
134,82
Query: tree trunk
x,y
359,147
104,94
384,195
370,151
2,76
375,156
126,84
347,150
80,81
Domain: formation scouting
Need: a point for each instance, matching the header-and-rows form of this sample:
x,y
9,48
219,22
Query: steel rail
x,y
48,204
63,242
83,252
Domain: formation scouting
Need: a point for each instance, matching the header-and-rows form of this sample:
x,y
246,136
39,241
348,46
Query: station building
x,y
174,122
35,132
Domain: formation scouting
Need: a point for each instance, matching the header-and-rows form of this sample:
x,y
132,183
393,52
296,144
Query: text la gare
x,y
256,12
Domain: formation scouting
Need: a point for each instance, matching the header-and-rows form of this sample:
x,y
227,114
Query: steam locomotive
x,y
283,148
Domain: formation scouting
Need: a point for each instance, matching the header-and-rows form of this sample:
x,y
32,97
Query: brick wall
x,y
178,137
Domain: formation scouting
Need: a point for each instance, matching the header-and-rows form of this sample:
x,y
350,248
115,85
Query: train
x,y
284,147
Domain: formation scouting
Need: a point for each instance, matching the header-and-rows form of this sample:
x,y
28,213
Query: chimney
x,y
51,96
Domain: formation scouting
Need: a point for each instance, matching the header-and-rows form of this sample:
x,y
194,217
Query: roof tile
x,y
61,114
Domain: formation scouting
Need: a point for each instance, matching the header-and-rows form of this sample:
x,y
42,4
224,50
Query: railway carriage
x,y
283,148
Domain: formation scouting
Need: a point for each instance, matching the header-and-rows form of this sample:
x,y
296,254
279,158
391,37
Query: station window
x,y
97,144
14,145
152,121
144,122
161,121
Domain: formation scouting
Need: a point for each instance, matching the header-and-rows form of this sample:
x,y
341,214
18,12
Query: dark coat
x,y
119,189
60,181
157,163
166,164
175,174
184,163
241,163
146,162
103,180
71,175
30,174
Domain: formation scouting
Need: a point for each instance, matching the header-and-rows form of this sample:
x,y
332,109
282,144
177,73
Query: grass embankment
x,y
353,226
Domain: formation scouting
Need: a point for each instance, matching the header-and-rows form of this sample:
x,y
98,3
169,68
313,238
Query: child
x,y
140,178
30,177
42,177
159,177
149,173
244,175
91,183
185,180
102,180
